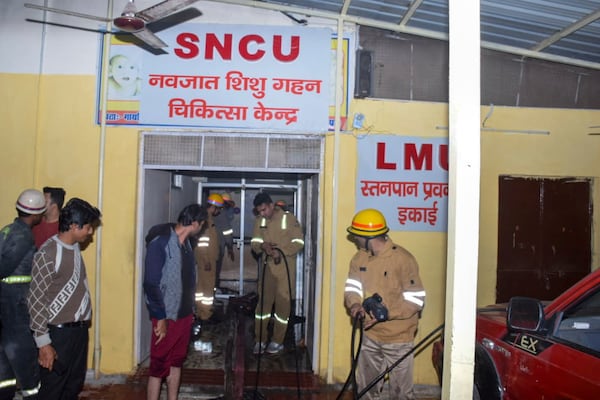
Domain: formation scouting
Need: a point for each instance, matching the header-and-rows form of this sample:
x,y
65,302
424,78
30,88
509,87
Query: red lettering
x,y
244,44
187,41
444,156
212,43
294,49
251,47
381,164
412,157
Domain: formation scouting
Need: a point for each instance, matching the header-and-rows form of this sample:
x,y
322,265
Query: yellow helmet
x,y
227,198
368,223
216,200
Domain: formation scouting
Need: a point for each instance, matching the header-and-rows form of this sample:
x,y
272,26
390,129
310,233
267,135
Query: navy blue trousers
x,y
18,352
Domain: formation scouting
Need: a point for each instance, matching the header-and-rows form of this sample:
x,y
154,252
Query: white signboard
x,y
242,76
406,178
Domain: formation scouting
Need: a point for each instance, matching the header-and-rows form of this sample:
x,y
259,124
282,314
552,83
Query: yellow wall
x,y
568,150
59,145
389,117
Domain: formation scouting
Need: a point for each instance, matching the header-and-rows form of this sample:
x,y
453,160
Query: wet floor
x,y
135,389
277,379
221,365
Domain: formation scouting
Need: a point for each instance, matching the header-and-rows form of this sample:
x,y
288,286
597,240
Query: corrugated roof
x,y
561,30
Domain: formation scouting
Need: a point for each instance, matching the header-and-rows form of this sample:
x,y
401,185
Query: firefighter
x,y
18,351
282,204
207,254
223,224
276,234
389,273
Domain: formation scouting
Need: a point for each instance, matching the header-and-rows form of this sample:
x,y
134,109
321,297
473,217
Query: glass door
x,y
240,275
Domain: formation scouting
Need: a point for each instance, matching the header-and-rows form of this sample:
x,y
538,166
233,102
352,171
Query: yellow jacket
x,y
394,275
207,249
284,230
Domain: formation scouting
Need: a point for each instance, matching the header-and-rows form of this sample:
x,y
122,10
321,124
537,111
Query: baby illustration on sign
x,y
124,80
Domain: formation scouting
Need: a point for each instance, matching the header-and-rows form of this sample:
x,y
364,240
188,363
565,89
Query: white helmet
x,y
32,202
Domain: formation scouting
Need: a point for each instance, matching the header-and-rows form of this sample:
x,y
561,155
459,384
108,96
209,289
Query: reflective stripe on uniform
x,y
352,285
17,279
262,316
417,298
30,392
281,320
204,241
8,383
263,224
228,232
206,300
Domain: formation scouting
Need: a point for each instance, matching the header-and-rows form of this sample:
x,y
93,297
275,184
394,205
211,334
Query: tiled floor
x,y
220,334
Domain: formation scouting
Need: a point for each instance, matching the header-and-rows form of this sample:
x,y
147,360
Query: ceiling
x,y
566,31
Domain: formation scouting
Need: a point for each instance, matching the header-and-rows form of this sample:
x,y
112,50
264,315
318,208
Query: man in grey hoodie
x,y
169,284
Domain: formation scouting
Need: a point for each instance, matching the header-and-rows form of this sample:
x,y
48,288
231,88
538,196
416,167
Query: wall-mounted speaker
x,y
364,73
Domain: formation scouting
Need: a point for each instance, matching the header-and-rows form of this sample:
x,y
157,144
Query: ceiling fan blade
x,y
176,18
67,12
163,9
81,28
146,36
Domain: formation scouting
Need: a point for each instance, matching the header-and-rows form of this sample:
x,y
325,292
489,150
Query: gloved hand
x,y
268,248
357,310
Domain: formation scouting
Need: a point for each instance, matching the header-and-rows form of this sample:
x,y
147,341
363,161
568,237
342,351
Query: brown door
x,y
544,236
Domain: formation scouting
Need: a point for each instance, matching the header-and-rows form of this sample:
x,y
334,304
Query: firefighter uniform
x,y
285,231
225,231
206,254
393,273
18,352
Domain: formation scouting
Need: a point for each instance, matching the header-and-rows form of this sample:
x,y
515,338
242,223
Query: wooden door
x,y
544,235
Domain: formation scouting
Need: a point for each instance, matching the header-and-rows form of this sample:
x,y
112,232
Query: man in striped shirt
x,y
60,305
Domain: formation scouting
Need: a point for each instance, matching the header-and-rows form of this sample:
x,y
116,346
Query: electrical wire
x,y
352,375
395,364
261,261
262,288
287,268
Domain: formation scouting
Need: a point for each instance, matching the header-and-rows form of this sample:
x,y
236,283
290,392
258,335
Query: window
x,y
581,324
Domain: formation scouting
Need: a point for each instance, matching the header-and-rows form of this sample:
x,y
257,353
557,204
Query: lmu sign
x,y
406,178
414,156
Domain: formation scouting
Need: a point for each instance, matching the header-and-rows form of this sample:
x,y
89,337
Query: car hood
x,y
495,313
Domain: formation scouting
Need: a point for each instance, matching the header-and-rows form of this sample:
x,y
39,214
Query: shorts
x,y
172,350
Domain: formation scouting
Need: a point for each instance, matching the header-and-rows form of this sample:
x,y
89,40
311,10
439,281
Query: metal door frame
x,y
194,151
243,186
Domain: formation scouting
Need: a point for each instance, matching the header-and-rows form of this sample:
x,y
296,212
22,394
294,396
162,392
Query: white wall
x,y
69,51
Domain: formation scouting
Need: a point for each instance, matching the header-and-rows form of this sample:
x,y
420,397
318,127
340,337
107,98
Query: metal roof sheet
x,y
561,30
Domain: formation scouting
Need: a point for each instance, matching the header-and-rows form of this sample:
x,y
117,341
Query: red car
x,y
527,350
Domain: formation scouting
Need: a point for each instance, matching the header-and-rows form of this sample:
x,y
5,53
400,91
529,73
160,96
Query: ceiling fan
x,y
131,20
